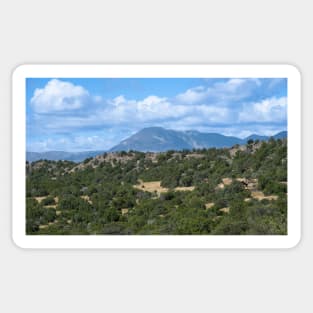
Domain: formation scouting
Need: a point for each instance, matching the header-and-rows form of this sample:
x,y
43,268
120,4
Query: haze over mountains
x,y
156,139
61,155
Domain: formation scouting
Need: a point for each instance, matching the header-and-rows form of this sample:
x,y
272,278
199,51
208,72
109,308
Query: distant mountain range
x,y
156,139
61,155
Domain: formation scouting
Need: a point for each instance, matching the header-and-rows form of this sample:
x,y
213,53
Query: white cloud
x,y
193,95
57,96
269,110
210,105
221,92
62,109
117,101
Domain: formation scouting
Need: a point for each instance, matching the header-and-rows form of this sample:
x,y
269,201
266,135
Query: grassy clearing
x,y
152,186
155,187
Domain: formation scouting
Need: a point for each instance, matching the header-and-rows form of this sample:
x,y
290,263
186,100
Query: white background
x,y
155,32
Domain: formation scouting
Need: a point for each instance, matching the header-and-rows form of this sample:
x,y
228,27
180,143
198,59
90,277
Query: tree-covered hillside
x,y
240,190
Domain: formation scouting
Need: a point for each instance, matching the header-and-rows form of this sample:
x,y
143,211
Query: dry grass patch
x,y
250,184
224,210
50,206
209,205
194,155
259,195
190,188
155,186
152,186
227,181
39,199
220,186
241,180
125,211
47,225
86,198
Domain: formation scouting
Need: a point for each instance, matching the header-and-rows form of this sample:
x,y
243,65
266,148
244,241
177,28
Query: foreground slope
x,y
240,190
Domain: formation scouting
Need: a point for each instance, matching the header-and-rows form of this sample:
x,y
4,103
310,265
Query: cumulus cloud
x,y
69,115
58,96
226,92
268,110
193,95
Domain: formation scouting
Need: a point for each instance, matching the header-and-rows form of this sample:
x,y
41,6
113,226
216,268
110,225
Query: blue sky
x,y
79,114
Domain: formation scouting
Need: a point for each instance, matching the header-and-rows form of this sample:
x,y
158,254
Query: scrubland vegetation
x,y
234,191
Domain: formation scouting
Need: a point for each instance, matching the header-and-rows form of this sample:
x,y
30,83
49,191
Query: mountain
x,y
280,135
154,139
61,155
210,140
256,137
157,139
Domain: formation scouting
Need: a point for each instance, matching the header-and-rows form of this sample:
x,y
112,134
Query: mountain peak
x,y
158,139
152,128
